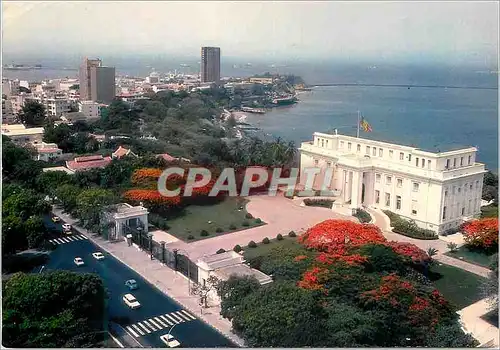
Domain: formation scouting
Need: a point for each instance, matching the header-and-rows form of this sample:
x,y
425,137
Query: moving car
x,y
79,261
98,255
131,284
55,219
66,228
131,301
170,341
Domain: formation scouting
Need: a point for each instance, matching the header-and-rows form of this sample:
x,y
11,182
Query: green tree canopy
x,y
32,114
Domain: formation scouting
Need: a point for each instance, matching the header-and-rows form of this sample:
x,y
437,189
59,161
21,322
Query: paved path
x,y
173,284
280,214
472,322
382,221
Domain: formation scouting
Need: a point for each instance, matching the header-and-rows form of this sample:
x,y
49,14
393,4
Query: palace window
x,y
444,213
359,148
423,163
326,143
367,150
463,211
400,182
328,164
459,189
349,146
380,152
322,143
398,202
377,196
465,187
470,187
388,180
316,162
341,144
447,164
415,186
391,153
401,156
477,185
374,151
414,207
377,177
446,193
387,199
470,159
429,164
416,161
454,162
409,157
461,161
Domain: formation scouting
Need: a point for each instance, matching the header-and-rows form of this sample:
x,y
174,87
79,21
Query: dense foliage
x,y
343,286
55,309
409,227
481,234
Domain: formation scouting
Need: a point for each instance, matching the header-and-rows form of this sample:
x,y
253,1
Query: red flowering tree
x,y
482,233
410,251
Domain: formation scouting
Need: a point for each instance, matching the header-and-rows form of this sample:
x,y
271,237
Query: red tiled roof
x,y
167,157
120,152
88,158
93,162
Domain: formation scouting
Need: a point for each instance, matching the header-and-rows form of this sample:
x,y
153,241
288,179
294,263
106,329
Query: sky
x,y
456,32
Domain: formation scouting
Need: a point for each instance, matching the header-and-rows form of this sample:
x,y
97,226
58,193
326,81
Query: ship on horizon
x,y
21,67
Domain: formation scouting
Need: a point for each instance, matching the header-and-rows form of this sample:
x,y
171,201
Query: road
x,y
157,314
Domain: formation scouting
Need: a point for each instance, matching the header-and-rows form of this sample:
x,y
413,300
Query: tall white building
x,y
91,109
439,190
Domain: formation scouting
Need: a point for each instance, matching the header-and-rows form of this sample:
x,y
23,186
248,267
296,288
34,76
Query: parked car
x,y
131,284
170,341
67,228
56,219
131,301
79,261
98,255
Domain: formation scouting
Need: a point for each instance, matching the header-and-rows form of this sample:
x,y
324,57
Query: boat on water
x,y
253,110
284,100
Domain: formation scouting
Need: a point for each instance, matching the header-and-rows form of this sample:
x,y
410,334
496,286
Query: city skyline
x,y
457,32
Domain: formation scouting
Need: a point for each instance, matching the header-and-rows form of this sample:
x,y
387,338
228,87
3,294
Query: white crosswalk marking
x,y
180,320
150,325
79,238
138,329
188,314
51,240
59,241
167,320
183,317
64,240
84,237
70,238
132,331
157,319
144,327
171,318
155,324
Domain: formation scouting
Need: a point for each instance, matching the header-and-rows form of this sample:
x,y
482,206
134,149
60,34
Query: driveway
x,y
280,214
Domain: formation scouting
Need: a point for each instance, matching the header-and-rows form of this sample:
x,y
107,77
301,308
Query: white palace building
x,y
437,190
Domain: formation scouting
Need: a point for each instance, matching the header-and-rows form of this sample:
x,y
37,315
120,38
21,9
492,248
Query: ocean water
x,y
428,118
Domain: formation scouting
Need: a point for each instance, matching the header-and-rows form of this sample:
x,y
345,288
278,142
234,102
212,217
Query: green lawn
x,y
473,257
264,249
489,211
222,215
460,287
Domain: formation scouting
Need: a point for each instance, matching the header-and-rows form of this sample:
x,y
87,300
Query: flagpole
x,y
357,130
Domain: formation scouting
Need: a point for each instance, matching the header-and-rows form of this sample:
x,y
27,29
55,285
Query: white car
x,y
98,255
131,301
170,341
79,261
66,228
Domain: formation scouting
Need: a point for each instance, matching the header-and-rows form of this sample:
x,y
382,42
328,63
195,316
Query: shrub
x,y
190,237
324,203
266,240
232,227
245,224
258,221
252,244
237,248
220,251
204,233
482,234
249,216
219,230
453,247
363,216
409,227
279,237
292,234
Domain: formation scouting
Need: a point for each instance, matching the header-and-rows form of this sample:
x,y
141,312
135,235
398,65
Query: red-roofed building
x,y
170,158
47,151
122,152
88,162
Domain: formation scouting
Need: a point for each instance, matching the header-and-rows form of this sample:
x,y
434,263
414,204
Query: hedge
x,y
409,228
266,240
252,244
279,237
237,248
363,216
204,233
324,203
220,251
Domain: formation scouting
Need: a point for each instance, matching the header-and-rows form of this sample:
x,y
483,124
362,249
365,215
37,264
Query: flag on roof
x,y
364,125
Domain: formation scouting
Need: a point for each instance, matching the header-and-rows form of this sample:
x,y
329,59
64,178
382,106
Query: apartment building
x,y
21,135
91,109
438,190
97,82
210,64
